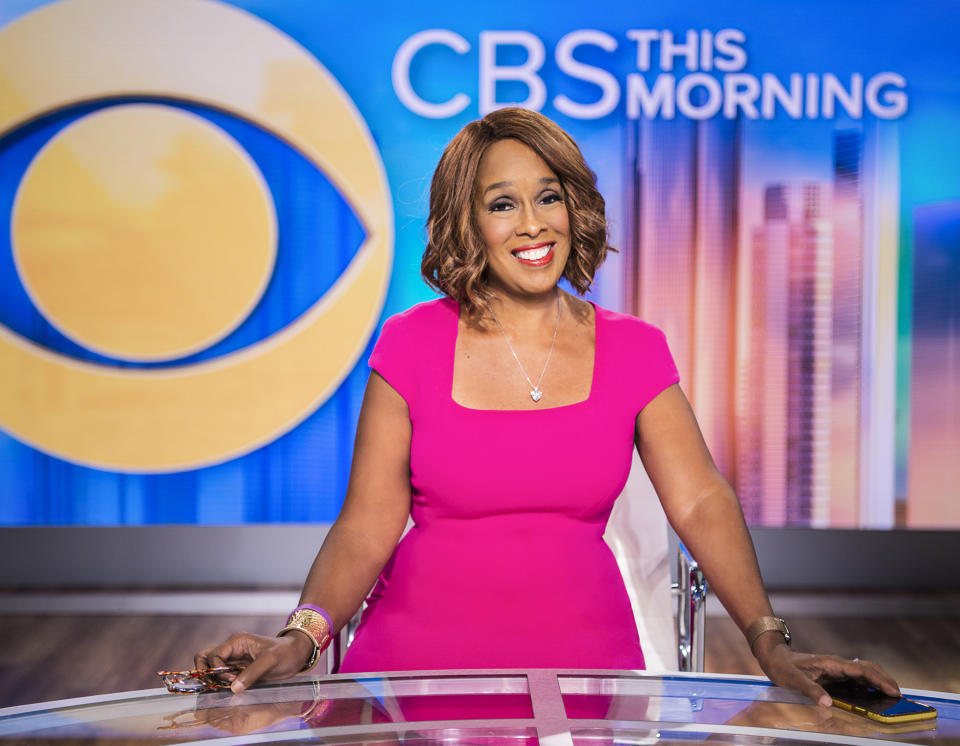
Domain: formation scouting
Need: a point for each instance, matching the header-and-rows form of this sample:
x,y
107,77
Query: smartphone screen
x,y
873,700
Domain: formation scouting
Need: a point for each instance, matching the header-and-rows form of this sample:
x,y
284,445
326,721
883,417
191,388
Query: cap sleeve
x,y
394,359
649,365
659,371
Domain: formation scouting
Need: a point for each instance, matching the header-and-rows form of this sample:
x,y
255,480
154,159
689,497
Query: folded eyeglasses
x,y
197,680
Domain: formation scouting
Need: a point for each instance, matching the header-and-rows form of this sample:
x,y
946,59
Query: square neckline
x,y
593,376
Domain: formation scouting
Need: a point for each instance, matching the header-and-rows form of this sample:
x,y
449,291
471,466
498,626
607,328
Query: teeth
x,y
534,254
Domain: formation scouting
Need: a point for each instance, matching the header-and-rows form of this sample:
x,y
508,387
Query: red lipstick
x,y
539,259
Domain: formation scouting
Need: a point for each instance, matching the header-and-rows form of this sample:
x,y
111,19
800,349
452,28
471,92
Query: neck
x,y
526,312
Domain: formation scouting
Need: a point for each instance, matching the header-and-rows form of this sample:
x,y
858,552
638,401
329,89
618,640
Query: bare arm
x,y
700,504
375,509
704,511
357,546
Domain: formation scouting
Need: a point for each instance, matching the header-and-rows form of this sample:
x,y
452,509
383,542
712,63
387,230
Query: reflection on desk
x,y
476,707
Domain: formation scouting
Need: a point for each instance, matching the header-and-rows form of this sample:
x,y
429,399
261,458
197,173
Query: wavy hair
x,y
454,261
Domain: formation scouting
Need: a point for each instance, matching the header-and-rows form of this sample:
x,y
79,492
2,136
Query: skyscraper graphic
x,y
713,377
846,359
762,376
809,365
785,336
783,402
681,258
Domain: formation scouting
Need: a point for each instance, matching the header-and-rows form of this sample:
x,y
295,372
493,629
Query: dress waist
x,y
514,558
454,586
533,524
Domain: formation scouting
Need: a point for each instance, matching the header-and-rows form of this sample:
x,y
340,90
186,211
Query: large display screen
x,y
208,208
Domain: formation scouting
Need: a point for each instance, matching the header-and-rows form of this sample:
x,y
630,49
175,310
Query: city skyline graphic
x,y
786,330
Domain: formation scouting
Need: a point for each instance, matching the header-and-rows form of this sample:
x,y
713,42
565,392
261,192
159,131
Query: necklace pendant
x,y
536,394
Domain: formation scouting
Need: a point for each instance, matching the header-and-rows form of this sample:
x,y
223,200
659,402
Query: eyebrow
x,y
499,184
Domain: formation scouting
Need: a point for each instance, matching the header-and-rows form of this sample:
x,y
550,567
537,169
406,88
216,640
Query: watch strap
x,y
765,624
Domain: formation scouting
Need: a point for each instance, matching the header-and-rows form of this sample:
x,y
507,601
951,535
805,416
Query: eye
x,y
551,197
500,205
316,237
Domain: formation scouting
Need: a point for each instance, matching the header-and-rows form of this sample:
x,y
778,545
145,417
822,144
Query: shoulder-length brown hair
x,y
454,261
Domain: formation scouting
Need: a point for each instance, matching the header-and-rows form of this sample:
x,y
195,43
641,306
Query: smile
x,y
535,256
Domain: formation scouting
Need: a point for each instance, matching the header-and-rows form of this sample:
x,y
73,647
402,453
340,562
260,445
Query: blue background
x,y
302,476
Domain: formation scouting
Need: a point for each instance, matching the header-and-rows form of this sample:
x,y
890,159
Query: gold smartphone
x,y
874,704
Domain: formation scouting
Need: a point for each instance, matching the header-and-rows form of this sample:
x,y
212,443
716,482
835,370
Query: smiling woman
x,y
456,258
522,218
510,487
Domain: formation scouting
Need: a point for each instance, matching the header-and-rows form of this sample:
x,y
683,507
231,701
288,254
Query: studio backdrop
x,y
209,208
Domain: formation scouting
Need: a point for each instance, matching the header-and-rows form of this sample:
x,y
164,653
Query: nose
x,y
529,221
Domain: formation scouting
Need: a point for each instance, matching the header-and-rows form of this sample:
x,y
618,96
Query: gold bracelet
x,y
766,624
314,626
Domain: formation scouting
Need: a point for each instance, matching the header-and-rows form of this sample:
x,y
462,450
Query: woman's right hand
x,y
260,657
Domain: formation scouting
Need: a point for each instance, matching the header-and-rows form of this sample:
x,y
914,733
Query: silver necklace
x,y
535,393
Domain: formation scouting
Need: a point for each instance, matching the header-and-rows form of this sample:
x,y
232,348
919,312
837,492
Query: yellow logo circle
x,y
144,232
181,417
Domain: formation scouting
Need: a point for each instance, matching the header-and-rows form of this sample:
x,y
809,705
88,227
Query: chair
x,y
669,616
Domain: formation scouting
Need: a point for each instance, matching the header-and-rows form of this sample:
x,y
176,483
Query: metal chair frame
x,y
691,593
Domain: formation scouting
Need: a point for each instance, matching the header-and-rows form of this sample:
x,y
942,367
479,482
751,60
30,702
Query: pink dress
x,y
506,566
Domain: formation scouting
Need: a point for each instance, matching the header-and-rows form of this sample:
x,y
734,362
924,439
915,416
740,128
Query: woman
x,y
502,417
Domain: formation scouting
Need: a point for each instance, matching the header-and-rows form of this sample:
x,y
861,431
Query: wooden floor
x,y
56,657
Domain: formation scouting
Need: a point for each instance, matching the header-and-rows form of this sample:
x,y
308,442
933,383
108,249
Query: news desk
x,y
555,708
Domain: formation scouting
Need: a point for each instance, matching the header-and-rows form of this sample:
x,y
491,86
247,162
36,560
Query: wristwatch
x,y
767,624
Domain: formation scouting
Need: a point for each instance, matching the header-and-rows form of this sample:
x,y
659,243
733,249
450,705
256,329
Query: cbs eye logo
x,y
146,235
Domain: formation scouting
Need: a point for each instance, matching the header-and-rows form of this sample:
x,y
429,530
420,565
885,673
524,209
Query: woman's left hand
x,y
805,672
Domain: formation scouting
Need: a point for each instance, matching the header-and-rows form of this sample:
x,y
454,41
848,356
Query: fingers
x,y
810,688
237,649
834,668
799,680
874,674
866,672
260,666
805,673
259,657
797,671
